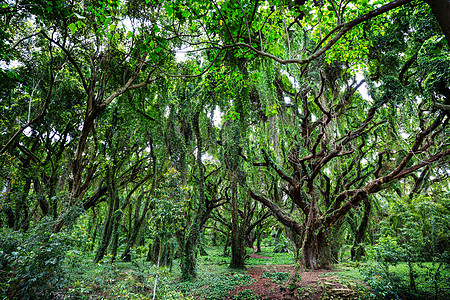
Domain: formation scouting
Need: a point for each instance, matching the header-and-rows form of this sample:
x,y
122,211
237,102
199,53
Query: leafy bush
x,y
414,241
247,295
282,245
386,251
32,264
383,286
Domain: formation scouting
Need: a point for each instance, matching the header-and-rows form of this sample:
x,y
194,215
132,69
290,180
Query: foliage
x,y
246,295
218,286
383,285
34,263
278,277
415,235
282,245
395,284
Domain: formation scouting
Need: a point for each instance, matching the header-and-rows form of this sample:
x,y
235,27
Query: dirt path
x,y
310,286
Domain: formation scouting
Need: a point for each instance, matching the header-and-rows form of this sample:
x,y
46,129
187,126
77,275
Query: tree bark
x,y
111,219
441,11
357,250
237,234
106,236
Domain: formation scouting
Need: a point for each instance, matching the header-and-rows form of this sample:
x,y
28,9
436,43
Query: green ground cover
x,y
136,280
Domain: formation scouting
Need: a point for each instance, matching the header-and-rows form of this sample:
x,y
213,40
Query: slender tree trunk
x,y
412,277
10,217
237,234
41,197
357,251
106,236
115,233
95,232
189,239
131,241
225,247
165,254
250,240
258,239
110,220
157,269
22,208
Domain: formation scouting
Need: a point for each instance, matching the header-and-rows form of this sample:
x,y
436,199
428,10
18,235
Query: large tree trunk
x,y
187,248
316,251
310,251
237,249
441,11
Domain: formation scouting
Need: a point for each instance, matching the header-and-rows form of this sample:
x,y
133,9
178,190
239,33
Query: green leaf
x,y
186,13
73,28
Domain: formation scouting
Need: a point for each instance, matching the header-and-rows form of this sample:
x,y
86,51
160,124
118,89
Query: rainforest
x,y
224,149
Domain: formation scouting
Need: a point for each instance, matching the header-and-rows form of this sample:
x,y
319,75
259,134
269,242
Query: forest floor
x,y
264,278
313,285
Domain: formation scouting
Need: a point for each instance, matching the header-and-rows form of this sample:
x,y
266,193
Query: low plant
x,y
247,295
278,277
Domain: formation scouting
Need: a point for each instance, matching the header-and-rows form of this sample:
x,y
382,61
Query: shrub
x,y
383,285
32,263
282,245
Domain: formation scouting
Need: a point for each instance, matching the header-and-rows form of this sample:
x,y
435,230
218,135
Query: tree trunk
x,y
109,223
441,11
165,254
258,239
250,240
237,249
357,251
225,247
237,233
106,237
115,232
95,225
188,271
310,251
22,208
131,240
43,204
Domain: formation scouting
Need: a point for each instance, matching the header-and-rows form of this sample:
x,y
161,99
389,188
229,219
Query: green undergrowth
x,y
135,280
396,283
430,282
277,277
212,287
